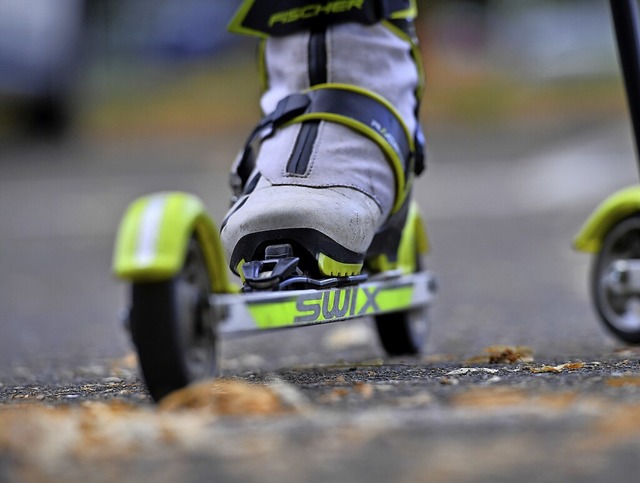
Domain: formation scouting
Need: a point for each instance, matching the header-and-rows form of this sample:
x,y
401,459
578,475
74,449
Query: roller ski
x,y
612,232
322,227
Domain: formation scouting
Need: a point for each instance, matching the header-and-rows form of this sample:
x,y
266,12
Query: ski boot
x,y
322,227
322,187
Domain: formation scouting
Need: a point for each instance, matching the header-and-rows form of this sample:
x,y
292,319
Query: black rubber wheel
x,y
173,329
616,303
406,332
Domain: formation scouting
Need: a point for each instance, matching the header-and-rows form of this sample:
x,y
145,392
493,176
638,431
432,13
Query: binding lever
x,y
279,271
279,265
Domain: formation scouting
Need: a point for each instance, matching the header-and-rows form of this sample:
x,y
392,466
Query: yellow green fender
x,y
616,207
153,238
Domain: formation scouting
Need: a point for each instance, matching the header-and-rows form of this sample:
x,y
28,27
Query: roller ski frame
x,y
182,299
612,232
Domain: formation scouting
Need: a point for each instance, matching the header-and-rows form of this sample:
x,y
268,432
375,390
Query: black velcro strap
x,y
286,110
342,104
269,18
365,110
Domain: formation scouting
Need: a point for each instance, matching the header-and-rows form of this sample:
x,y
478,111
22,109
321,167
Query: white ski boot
x,y
337,150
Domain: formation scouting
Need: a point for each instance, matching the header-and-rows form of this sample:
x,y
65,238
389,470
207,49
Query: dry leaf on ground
x,y
625,380
569,366
500,397
226,397
503,354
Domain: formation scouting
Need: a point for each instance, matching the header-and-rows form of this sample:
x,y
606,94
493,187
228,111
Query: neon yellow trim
x,y
407,187
409,13
263,74
621,204
270,315
239,269
389,300
416,53
312,308
381,263
214,255
154,234
329,266
422,235
374,96
414,241
308,10
235,25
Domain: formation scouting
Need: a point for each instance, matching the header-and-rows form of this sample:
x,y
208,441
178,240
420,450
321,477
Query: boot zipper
x,y
299,161
317,52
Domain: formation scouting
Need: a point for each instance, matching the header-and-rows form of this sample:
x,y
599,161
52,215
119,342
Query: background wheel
x,y
406,332
616,300
172,327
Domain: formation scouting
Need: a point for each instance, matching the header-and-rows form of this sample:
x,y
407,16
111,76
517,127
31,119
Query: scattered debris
x,y
363,390
623,380
468,370
226,397
490,397
503,354
335,395
627,352
616,427
448,381
569,366
417,400
500,397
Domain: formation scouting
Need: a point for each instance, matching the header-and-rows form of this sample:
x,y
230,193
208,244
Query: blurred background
x,y
102,101
123,68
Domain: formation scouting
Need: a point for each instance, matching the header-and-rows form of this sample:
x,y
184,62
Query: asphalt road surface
x,y
501,208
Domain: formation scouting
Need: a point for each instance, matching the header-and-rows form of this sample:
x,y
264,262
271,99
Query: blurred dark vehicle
x,y
39,42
